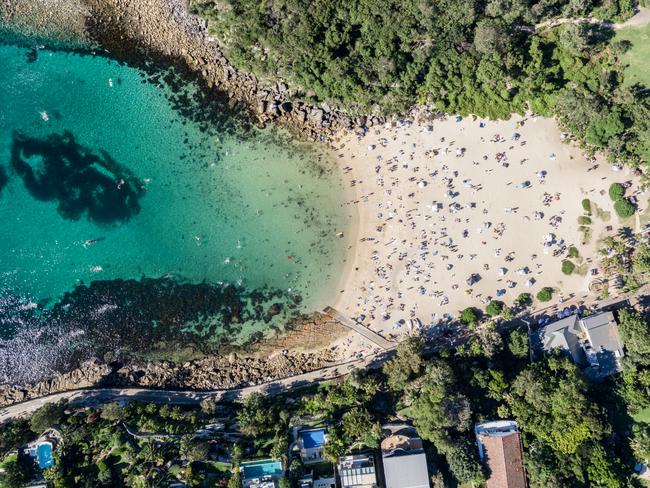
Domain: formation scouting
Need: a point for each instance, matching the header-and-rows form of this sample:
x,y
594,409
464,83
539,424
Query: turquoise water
x,y
103,180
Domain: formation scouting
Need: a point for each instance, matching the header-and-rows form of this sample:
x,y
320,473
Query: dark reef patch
x,y
4,179
129,317
81,181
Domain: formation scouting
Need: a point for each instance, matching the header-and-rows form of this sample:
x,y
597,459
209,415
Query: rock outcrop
x,y
302,349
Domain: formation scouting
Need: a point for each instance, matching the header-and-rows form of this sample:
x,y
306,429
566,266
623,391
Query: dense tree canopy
x,y
462,56
549,401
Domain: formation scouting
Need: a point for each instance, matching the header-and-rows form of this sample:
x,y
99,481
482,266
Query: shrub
x,y
586,205
616,191
573,252
568,267
494,308
545,294
623,208
469,316
584,220
524,299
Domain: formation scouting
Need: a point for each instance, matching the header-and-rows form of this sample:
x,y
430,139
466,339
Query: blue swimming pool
x,y
260,468
43,454
313,438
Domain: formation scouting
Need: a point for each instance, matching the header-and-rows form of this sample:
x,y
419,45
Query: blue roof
x,y
313,438
260,468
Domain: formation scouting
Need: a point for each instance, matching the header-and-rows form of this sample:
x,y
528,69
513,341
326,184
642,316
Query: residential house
x,y
592,342
357,471
499,447
405,464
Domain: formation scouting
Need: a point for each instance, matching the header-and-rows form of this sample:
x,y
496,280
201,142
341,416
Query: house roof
x,y
500,448
603,332
564,334
357,470
406,470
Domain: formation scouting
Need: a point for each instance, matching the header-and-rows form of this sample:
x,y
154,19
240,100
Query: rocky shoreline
x,y
303,349
164,32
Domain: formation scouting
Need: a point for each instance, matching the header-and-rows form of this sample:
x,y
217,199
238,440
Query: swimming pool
x,y
260,468
313,438
43,454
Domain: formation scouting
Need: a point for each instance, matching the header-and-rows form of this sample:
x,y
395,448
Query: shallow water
x,y
103,179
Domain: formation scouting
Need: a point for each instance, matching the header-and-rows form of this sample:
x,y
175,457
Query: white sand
x,y
409,261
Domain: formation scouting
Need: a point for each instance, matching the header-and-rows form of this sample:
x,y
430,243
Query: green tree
x,y
604,127
545,294
616,191
524,299
13,434
641,441
334,447
623,208
635,333
112,412
518,343
358,425
16,473
494,308
208,406
406,363
45,417
253,416
280,445
439,405
568,267
462,460
549,400
490,340
469,317
641,258
193,450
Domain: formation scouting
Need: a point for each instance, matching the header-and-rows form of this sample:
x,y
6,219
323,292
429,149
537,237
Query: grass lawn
x,y
637,59
643,416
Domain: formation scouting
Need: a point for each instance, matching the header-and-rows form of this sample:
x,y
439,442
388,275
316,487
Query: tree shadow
x,y
57,168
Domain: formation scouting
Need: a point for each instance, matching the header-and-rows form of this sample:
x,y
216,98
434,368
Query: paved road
x,y
100,396
359,328
94,397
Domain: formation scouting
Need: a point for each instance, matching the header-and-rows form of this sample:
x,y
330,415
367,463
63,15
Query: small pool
x,y
260,468
43,454
312,439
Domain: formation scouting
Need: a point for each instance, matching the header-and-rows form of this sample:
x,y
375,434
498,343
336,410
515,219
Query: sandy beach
x,y
452,214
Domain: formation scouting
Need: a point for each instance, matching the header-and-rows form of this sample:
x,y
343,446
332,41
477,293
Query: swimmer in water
x,y
90,242
44,116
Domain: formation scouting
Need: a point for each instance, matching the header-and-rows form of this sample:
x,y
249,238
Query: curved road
x,y
100,396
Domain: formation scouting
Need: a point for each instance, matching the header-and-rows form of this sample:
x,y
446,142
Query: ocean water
x,y
121,211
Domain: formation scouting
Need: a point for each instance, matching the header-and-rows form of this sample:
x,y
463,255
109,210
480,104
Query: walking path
x,y
640,19
101,396
359,328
